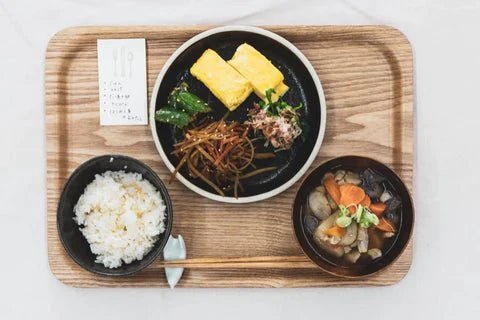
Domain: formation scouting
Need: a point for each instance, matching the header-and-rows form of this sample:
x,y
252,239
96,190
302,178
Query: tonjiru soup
x,y
353,217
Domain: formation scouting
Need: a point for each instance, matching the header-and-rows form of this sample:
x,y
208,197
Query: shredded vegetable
x,y
221,154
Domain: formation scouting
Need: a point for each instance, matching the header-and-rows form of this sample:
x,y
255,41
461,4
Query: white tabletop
x,y
442,282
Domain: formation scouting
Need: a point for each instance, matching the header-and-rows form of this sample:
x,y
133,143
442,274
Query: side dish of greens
x,y
182,107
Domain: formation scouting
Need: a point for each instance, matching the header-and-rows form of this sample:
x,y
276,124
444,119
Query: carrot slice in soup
x,y
378,208
351,195
366,201
335,231
332,188
385,225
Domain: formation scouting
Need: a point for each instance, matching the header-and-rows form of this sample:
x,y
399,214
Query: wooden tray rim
x,y
77,32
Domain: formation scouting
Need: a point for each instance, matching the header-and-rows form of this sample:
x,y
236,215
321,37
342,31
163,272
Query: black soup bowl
x,y
73,240
323,259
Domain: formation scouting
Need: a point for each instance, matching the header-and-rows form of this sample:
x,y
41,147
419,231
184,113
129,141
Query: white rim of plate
x,y
321,96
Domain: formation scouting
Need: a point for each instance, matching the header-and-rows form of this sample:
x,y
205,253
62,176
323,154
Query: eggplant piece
x,y
394,218
371,183
311,223
393,204
391,210
371,177
373,190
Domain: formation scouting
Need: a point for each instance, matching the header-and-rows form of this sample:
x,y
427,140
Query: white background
x,y
444,280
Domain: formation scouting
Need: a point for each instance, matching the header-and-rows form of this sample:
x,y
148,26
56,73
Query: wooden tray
x,y
366,73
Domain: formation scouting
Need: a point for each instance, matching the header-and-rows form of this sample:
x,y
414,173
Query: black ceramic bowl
x,y
304,88
320,257
72,239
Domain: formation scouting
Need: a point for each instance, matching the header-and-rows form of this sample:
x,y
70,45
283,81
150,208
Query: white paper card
x,y
122,81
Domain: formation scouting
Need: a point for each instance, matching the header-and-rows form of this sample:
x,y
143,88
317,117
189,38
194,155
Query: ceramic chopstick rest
x,y
175,249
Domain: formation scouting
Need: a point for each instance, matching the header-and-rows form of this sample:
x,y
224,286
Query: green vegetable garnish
x,y
364,217
358,214
268,94
343,211
368,219
274,108
343,220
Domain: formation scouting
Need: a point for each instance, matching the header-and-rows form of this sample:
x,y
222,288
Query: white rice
x,y
121,216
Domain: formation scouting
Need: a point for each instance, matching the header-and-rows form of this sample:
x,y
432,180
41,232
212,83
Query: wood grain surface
x,y
366,73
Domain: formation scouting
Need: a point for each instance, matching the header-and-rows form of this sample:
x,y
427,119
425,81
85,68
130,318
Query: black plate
x,y
321,258
302,90
73,240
